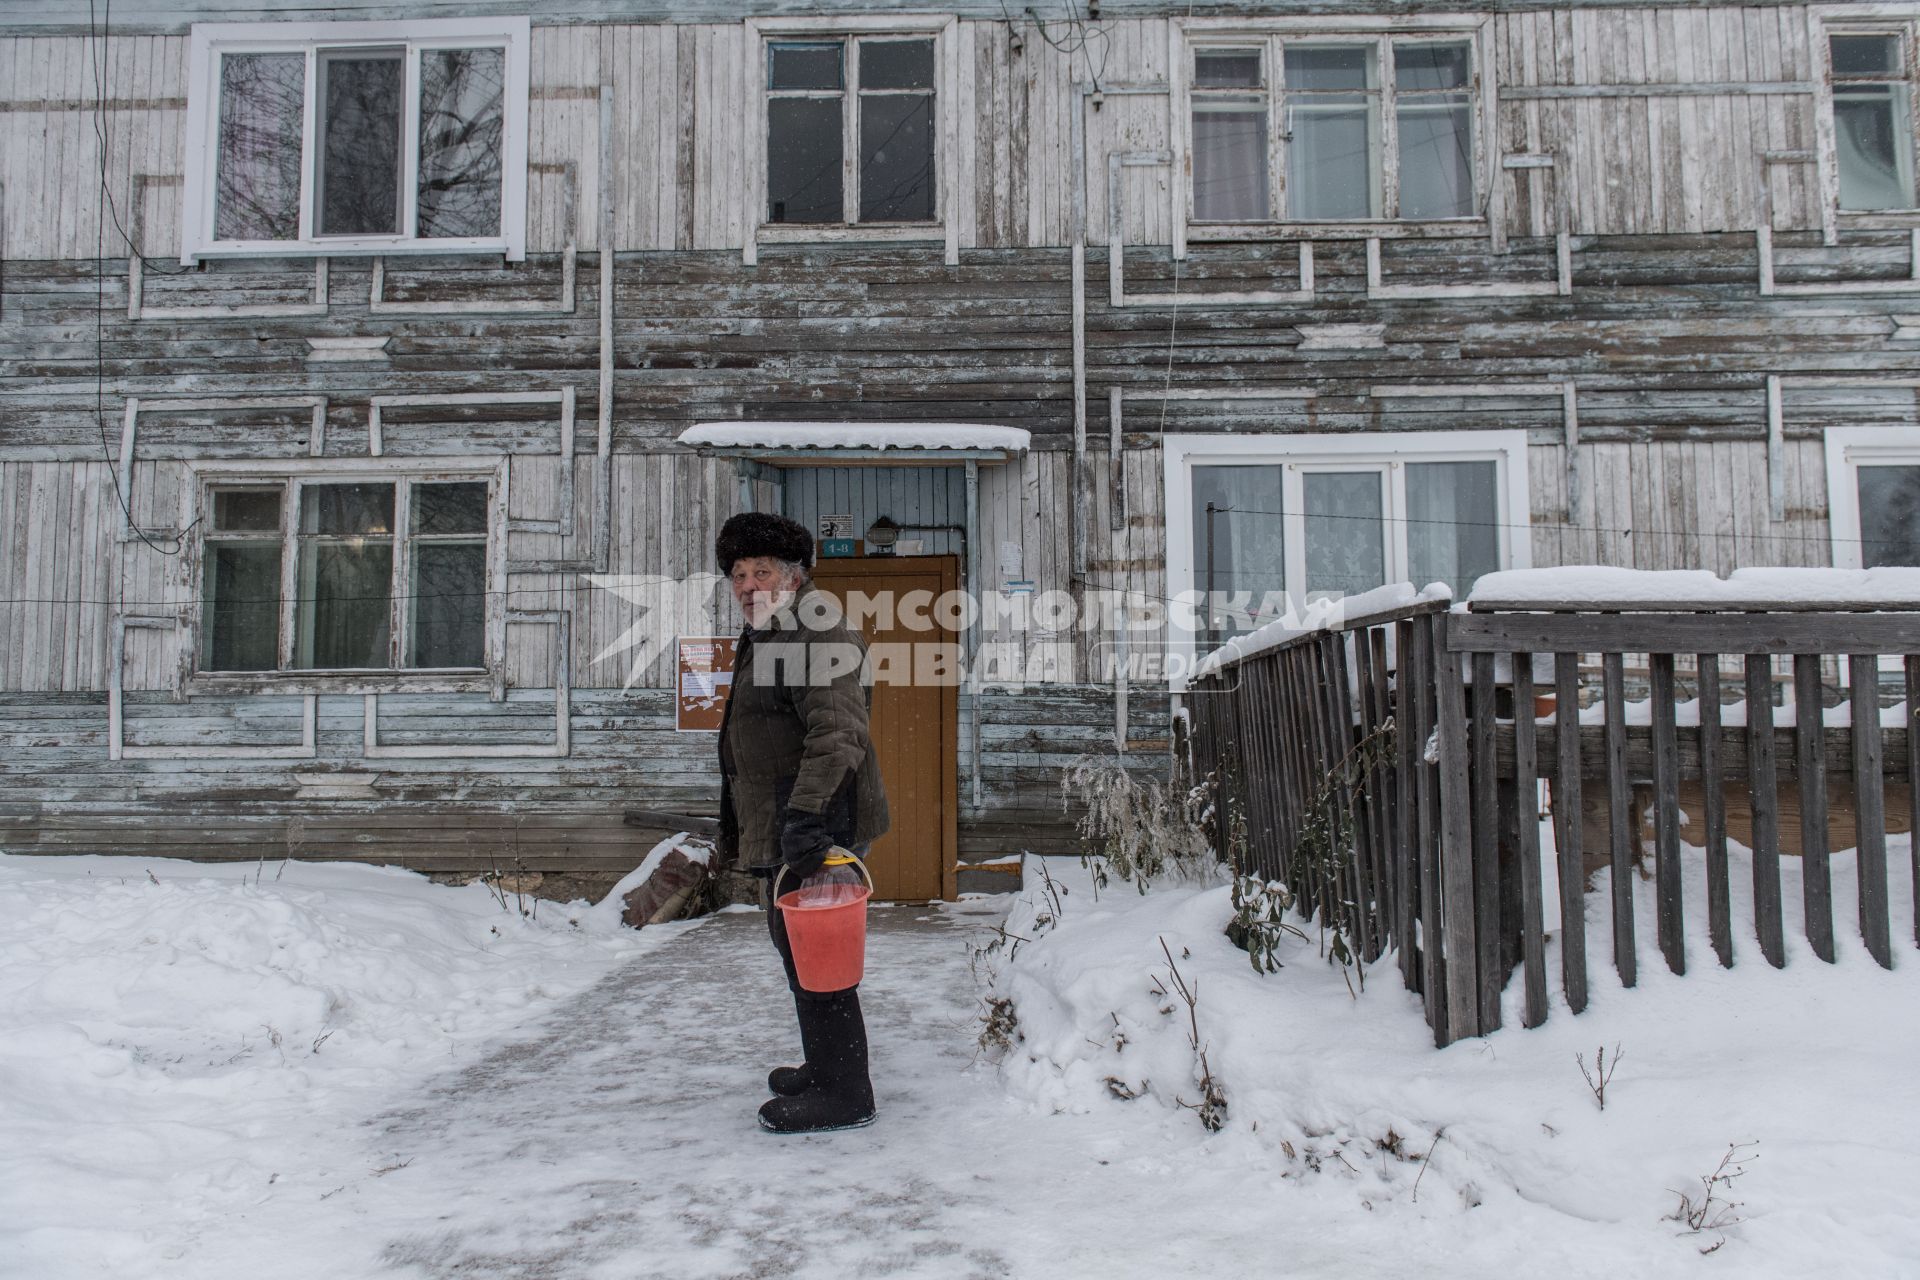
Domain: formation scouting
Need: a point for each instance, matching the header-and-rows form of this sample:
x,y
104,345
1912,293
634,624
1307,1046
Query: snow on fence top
x,y
1601,587
1322,615
844,435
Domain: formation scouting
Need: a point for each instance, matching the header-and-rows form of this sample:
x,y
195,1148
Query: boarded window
x,y
1872,121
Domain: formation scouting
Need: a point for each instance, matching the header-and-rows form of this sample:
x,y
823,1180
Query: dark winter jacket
x,y
794,735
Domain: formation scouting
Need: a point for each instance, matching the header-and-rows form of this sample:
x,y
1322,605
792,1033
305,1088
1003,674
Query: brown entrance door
x,y
915,723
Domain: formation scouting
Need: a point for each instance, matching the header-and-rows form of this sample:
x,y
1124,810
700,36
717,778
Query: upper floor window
x,y
361,137
852,129
1873,124
385,574
1361,129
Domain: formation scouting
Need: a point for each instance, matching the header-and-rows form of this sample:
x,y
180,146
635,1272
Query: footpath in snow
x,y
352,1073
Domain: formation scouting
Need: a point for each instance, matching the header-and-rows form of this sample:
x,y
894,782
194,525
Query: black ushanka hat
x,y
761,533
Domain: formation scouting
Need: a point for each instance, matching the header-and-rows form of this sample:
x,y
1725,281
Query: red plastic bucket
x,y
827,929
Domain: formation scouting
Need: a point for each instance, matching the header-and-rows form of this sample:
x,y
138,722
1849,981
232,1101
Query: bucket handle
x,y
836,857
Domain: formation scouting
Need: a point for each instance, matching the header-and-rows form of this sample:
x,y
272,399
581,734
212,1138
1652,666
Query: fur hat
x,y
761,533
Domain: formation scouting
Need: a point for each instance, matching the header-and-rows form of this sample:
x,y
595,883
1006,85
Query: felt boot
x,y
835,1037
791,1082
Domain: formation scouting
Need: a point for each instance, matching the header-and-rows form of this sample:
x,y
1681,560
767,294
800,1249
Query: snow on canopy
x,y
847,435
1601,586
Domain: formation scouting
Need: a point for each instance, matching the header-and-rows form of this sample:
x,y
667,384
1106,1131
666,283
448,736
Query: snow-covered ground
x,y
1496,1151
349,1072
176,1038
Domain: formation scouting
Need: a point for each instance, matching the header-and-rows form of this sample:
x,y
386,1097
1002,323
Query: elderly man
x,y
798,777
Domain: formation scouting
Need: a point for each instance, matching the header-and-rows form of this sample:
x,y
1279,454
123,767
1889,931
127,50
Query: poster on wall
x,y
703,676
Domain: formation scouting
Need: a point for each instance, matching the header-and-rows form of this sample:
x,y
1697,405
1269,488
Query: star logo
x,y
665,608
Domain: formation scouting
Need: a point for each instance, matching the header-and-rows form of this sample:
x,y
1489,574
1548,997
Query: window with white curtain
x,y
343,573
1873,496
1261,524
1360,128
1873,123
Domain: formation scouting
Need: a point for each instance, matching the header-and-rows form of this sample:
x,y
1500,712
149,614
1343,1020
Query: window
x,y
357,137
361,575
1872,119
1363,129
1873,487
1299,519
852,129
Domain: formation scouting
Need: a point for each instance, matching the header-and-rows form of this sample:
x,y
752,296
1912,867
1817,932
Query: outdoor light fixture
x,y
881,535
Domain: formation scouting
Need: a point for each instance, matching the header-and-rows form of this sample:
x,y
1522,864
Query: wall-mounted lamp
x,y
881,535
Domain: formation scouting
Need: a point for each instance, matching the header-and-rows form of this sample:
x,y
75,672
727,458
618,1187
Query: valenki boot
x,y
791,1082
835,1037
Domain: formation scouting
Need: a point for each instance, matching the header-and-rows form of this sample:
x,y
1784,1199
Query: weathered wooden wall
x,y
1656,117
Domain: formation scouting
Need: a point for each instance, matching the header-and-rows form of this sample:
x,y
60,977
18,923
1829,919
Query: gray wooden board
x,y
1719,894
1671,930
1490,971
1763,791
1566,805
1620,830
1869,806
1456,888
1688,633
1810,760
1527,825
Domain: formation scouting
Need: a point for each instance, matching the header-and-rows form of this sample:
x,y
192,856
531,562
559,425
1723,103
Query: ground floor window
x,y
1270,522
1873,493
347,573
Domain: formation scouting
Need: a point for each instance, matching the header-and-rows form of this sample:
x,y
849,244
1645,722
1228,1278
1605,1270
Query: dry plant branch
x,y
1602,1073
1716,1208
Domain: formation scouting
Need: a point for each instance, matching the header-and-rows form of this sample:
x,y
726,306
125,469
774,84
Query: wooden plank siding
x,y
1654,115
1686,97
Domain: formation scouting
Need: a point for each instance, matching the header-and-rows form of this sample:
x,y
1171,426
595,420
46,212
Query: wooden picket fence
x,y
1398,732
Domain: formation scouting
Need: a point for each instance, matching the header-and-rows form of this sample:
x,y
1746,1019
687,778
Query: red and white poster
x,y
703,676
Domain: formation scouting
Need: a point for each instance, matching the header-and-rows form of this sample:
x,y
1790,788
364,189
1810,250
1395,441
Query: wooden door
x,y
915,725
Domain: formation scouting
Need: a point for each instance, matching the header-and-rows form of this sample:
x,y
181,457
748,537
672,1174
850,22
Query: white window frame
x,y
1507,449
1191,34
213,41
764,31
1848,448
1902,20
291,477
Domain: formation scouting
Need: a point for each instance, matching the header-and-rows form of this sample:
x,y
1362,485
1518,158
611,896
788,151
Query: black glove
x,y
804,842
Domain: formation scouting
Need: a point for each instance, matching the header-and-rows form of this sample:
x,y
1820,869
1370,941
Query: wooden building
x,y
344,366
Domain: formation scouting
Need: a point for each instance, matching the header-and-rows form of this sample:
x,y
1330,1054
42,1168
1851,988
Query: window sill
x,y
344,683
1382,229
829,232
1880,219
357,247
